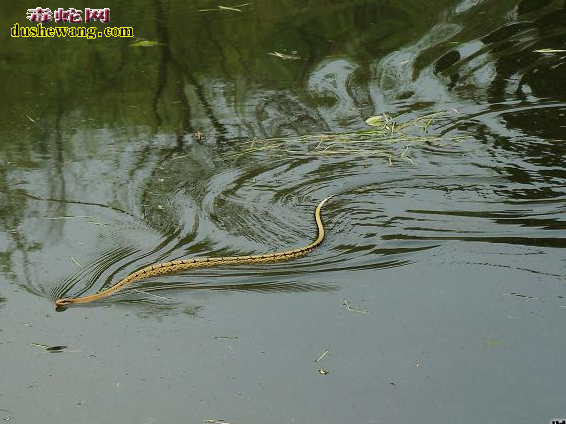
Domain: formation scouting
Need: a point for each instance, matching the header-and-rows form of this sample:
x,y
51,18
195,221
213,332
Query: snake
x,y
193,263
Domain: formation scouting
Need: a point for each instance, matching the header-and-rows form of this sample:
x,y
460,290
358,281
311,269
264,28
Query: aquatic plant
x,y
387,137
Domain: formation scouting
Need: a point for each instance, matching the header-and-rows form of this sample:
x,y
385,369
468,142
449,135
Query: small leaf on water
x,y
375,121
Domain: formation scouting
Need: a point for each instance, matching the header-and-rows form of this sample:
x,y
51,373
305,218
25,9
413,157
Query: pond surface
x,y
438,295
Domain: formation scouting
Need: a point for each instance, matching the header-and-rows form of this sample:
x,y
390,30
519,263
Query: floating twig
x,y
284,56
359,311
321,356
97,223
227,8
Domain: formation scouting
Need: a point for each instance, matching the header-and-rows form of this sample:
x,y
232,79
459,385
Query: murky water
x,y
439,290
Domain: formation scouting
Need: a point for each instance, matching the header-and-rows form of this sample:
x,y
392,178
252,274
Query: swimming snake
x,y
185,264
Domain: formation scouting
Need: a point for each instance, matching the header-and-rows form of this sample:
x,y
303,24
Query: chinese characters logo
x,y
70,15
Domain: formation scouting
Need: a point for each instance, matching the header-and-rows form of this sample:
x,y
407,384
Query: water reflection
x,y
154,166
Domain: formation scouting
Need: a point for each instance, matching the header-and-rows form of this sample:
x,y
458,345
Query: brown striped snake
x,y
184,264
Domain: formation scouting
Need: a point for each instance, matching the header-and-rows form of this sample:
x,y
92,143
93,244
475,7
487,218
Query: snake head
x,y
64,302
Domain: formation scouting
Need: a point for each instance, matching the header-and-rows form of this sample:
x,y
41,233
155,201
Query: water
x,y
439,290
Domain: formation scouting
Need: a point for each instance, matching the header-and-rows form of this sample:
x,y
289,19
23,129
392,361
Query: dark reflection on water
x,y
163,165
113,157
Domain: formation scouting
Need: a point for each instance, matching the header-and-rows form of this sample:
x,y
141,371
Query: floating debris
x,y
285,56
321,356
523,296
49,348
377,121
388,137
180,157
145,43
323,371
226,8
359,311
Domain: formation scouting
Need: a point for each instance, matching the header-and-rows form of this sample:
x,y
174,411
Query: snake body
x,y
185,264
